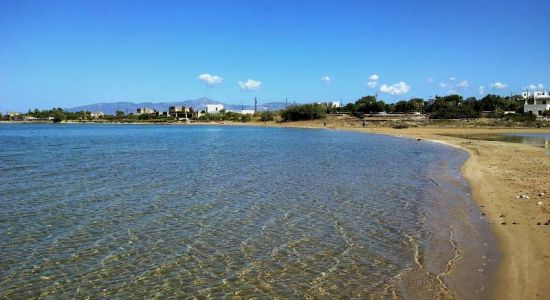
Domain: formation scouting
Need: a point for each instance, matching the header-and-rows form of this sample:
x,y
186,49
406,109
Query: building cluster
x,y
187,113
176,112
536,102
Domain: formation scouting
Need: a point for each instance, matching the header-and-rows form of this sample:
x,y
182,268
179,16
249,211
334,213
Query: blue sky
x,y
68,53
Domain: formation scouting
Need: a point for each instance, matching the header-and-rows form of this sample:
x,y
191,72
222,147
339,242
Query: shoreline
x,y
498,174
524,246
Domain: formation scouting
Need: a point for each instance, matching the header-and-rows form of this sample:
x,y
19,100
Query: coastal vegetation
x,y
508,110
445,107
224,115
304,112
267,116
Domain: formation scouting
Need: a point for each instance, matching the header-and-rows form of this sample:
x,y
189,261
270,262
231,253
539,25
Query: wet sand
x,y
499,173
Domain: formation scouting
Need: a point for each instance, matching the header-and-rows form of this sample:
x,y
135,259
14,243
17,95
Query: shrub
x,y
267,116
401,126
304,112
526,117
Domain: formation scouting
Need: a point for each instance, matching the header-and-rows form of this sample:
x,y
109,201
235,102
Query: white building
x,y
333,104
243,111
180,112
213,108
97,115
536,102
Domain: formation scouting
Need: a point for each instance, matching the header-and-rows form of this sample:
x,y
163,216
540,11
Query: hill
x,y
197,104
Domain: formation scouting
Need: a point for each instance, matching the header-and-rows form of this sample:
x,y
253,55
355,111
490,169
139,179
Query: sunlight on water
x,y
157,211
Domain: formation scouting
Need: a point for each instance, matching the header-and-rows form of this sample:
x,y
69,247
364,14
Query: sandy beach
x,y
499,173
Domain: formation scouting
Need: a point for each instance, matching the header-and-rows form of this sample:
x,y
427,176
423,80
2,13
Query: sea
x,y
194,211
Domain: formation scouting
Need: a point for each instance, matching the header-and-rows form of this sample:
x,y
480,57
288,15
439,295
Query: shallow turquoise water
x,y
131,211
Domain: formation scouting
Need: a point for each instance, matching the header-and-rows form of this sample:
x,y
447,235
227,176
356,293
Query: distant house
x,y
145,111
15,116
242,111
213,108
180,112
333,104
97,115
536,102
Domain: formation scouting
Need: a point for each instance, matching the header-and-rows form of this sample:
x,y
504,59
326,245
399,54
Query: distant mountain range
x,y
197,104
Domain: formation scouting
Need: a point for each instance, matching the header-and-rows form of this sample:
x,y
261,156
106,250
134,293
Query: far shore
x,y
510,182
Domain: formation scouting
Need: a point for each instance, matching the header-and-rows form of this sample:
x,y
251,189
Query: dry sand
x,y
498,173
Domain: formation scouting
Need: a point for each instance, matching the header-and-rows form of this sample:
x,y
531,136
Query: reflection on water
x,y
535,139
169,211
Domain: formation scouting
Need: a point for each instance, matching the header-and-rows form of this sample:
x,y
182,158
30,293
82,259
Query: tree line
x,y
444,107
441,107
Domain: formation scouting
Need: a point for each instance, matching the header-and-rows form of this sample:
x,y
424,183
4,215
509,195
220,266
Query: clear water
x,y
128,211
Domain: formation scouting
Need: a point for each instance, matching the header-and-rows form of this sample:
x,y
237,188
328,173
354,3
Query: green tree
x,y
452,107
119,114
58,115
304,112
246,118
368,104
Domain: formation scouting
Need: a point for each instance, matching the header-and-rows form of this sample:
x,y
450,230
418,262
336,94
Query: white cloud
x,y
250,85
210,79
430,80
443,84
326,79
399,88
463,84
372,84
374,77
498,85
452,92
539,86
481,90
452,78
